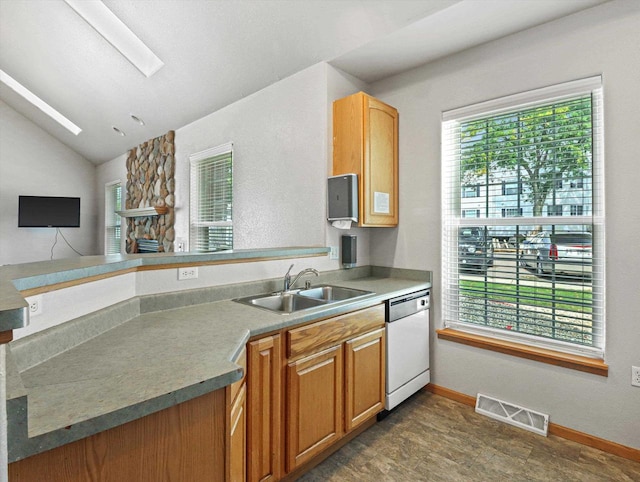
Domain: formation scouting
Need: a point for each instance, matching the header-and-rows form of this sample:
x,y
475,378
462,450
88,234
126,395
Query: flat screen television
x,y
48,212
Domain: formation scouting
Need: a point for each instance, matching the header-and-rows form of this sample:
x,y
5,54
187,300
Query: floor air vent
x,y
512,414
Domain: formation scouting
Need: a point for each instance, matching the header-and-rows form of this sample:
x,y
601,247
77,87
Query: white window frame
x,y
196,160
452,220
111,219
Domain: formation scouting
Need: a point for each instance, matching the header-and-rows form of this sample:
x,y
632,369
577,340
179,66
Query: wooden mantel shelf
x,y
141,212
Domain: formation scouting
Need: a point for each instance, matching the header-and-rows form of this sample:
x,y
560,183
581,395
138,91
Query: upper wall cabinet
x,y
365,142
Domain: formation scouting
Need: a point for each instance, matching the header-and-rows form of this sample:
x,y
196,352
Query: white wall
x,y
34,163
282,157
279,162
604,40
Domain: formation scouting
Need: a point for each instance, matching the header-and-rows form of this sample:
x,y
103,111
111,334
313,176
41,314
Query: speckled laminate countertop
x,y
20,277
148,363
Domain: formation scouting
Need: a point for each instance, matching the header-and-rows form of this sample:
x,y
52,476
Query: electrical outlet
x,y
190,272
180,245
635,376
333,254
35,305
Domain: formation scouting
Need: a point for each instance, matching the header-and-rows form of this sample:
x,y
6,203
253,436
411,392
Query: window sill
x,y
566,360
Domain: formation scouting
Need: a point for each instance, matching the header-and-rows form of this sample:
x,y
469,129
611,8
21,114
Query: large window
x,y
112,222
526,273
211,226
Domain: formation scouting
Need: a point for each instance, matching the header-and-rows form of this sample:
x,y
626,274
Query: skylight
x,y
96,14
39,103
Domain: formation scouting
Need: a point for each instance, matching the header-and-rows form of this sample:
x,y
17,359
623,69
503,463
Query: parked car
x,y
561,253
475,249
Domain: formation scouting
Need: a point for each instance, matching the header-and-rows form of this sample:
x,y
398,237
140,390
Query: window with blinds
x,y
112,223
529,267
211,226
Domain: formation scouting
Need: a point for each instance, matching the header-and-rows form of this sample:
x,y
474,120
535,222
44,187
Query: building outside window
x,y
554,210
549,290
577,210
211,203
511,212
511,188
471,213
471,191
112,221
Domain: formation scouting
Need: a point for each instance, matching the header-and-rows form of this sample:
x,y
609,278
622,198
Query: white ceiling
x,y
218,51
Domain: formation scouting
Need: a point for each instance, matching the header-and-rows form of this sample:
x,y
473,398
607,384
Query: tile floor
x,y
431,438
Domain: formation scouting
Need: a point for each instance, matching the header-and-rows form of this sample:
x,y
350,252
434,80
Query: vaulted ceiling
x,y
216,52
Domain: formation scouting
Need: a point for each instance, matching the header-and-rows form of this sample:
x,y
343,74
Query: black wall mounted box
x,y
349,250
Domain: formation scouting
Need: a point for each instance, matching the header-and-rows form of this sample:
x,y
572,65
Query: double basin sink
x,y
302,299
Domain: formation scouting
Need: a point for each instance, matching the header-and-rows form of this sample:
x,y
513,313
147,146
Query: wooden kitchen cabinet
x,y
365,142
237,444
364,377
264,425
335,380
314,405
185,442
310,386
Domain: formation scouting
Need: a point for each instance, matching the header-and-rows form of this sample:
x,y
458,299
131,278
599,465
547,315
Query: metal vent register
x,y
513,414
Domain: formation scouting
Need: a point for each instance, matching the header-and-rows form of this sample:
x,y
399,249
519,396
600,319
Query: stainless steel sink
x,y
299,300
332,293
281,302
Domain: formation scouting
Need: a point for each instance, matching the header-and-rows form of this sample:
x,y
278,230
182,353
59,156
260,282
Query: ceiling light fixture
x,y
137,119
96,14
39,103
118,131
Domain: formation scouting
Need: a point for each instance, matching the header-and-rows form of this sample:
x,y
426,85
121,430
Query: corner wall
x,y
33,163
282,139
602,40
279,161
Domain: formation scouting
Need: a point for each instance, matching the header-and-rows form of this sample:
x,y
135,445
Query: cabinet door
x,y
365,142
380,169
237,438
263,409
365,377
314,405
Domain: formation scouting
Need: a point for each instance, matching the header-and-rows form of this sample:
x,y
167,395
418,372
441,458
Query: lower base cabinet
x,y
314,405
185,442
264,370
237,443
326,380
364,378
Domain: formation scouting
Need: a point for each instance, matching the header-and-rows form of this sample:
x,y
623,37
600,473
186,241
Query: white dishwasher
x,y
407,330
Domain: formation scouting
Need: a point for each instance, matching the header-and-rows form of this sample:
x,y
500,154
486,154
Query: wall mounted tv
x,y
48,212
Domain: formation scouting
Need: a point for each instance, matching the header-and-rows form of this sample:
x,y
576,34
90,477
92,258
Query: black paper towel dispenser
x,y
342,198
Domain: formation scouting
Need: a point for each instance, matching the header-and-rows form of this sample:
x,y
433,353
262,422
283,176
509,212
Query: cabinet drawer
x,y
242,361
317,336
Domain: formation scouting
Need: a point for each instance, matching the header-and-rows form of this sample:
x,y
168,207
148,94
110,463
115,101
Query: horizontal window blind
x,y
529,265
112,229
211,227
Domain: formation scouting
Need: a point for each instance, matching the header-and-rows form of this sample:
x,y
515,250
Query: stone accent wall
x,y
151,183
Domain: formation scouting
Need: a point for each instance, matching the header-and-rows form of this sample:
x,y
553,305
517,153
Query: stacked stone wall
x,y
151,183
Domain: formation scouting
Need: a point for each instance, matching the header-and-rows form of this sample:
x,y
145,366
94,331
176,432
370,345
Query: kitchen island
x,y
141,357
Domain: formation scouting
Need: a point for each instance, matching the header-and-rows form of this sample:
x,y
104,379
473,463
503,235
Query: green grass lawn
x,y
558,298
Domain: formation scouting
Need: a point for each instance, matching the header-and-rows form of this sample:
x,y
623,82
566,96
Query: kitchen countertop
x,y
151,362
20,277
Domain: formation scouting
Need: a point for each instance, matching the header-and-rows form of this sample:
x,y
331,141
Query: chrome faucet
x,y
288,284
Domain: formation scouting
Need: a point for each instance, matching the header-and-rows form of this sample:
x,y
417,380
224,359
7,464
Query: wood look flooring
x,y
431,438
